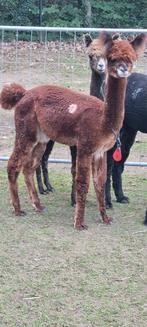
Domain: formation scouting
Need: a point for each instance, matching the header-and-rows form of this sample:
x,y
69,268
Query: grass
x,y
54,276
140,146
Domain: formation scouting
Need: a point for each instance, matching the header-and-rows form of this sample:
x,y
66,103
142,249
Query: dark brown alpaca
x,y
98,65
53,112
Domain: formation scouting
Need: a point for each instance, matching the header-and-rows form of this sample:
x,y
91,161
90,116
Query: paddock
x,y
51,274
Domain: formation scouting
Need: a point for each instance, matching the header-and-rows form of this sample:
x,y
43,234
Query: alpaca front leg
x,y
117,182
99,171
82,186
127,136
73,151
110,163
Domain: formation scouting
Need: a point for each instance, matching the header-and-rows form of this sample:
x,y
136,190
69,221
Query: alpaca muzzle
x,y
123,71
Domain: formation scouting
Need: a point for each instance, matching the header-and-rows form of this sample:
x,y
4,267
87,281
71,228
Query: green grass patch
x,y
54,276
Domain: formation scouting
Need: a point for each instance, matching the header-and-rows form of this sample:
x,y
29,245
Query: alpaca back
x,y
136,103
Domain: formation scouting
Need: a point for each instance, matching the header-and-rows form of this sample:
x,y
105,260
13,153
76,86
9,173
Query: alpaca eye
x,y
112,62
129,62
90,57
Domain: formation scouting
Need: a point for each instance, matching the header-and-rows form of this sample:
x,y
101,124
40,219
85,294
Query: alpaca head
x,y
96,53
121,54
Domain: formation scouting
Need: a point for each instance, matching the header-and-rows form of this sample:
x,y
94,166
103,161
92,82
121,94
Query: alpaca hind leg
x,y
29,180
44,164
82,186
39,180
73,151
44,168
127,139
99,171
13,170
28,170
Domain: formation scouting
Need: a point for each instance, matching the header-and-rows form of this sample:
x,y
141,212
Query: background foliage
x,y
76,13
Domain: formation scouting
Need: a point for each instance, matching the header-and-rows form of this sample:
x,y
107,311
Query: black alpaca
x,y
98,67
135,120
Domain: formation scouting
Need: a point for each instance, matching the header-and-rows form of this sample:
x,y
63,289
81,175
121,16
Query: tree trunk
x,y
87,6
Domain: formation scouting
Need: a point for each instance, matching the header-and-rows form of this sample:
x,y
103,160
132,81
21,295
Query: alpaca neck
x,y
116,89
97,85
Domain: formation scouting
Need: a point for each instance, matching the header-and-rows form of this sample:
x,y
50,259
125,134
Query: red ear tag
x,y
117,156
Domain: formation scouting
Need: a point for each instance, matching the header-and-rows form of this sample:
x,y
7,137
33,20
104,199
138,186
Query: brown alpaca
x,y
97,60
54,112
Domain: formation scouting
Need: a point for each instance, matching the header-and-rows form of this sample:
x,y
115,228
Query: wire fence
x,y
48,55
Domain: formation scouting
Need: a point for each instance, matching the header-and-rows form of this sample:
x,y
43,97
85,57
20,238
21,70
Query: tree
x,y
88,15
76,13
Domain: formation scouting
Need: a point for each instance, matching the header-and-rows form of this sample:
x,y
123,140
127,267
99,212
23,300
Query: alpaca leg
x,y
44,164
82,185
110,163
29,179
127,139
28,170
39,180
145,219
99,171
73,151
13,170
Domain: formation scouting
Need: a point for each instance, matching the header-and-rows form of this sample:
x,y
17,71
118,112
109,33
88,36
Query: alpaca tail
x,y
10,95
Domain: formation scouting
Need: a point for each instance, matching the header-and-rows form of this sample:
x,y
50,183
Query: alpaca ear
x,y
88,40
116,36
106,38
139,43
130,38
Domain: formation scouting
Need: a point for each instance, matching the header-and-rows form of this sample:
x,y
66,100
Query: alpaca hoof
x,y
42,191
107,220
109,205
81,227
49,188
73,204
40,208
19,213
123,200
45,192
73,201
